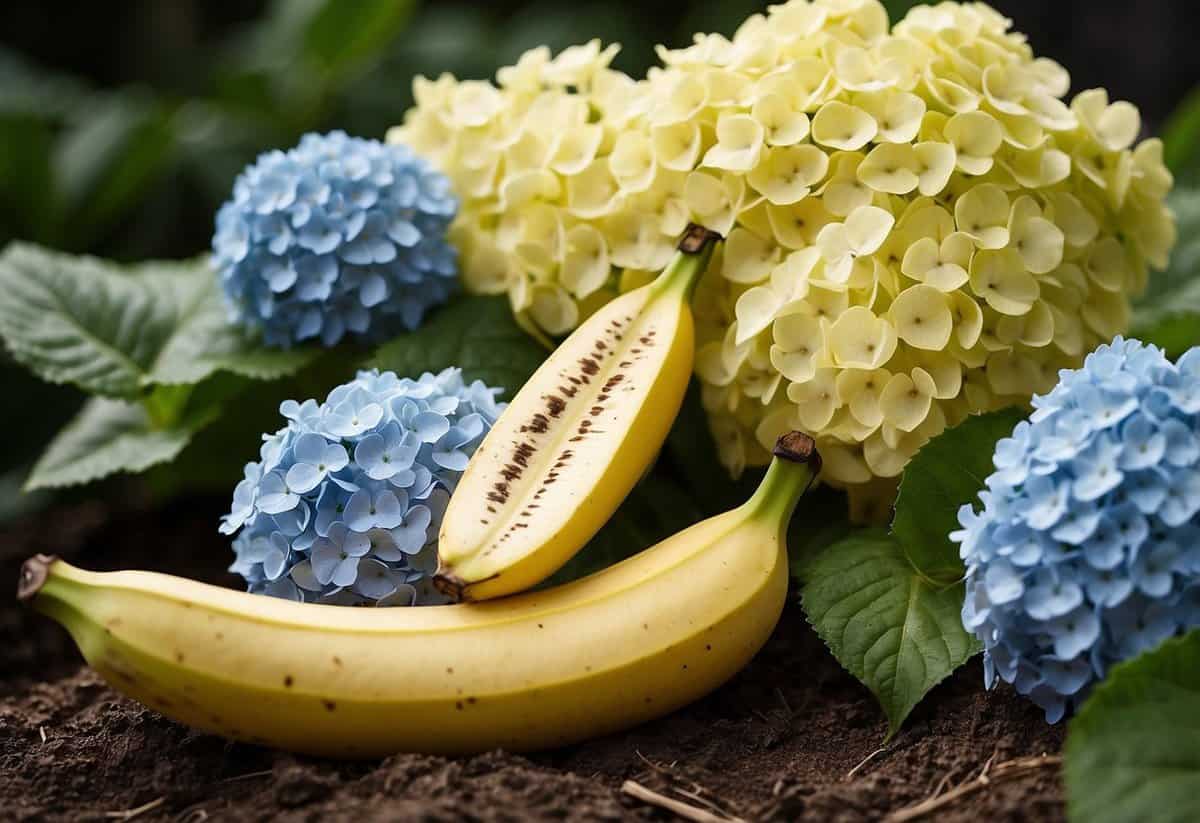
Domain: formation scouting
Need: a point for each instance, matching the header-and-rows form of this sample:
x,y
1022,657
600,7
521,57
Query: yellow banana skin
x,y
543,669
575,439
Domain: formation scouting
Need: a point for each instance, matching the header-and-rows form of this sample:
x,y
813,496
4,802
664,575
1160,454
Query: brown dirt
x,y
777,743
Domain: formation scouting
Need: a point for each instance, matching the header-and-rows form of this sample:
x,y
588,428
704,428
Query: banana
x,y
575,439
538,670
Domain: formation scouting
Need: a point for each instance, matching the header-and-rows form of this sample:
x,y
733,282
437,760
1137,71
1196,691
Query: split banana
x,y
538,670
576,438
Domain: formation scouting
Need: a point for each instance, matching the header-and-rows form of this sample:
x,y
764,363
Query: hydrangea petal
x,y
842,126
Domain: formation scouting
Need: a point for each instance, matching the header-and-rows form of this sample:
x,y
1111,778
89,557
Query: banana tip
x,y
696,237
449,584
34,572
798,447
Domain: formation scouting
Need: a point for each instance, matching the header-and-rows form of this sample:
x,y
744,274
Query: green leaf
x,y
1181,138
947,472
27,196
477,334
110,436
1175,333
1133,751
122,143
822,519
342,36
212,462
30,89
888,604
889,626
1168,314
115,331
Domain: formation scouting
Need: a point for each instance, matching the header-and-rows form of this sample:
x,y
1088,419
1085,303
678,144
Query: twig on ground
x,y
786,706
987,767
850,774
701,799
654,767
1002,772
941,785
697,791
42,733
685,810
130,814
192,814
248,775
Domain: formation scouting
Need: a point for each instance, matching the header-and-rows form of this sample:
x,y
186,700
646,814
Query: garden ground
x,y
792,738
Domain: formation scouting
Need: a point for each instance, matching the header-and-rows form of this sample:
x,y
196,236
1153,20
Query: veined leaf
x,y
1133,752
947,472
477,334
114,331
110,436
894,629
888,604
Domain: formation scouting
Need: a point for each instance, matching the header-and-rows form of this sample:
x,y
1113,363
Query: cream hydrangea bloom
x,y
919,226
555,190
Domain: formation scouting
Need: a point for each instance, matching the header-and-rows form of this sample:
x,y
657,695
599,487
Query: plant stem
x,y
683,272
165,404
793,469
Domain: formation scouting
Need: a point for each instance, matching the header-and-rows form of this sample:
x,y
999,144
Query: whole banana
x,y
575,439
542,669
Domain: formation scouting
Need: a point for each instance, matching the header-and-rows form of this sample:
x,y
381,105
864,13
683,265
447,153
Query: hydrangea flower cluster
x,y
338,236
1087,550
918,225
345,504
530,159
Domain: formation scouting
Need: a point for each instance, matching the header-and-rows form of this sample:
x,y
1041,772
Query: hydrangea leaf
x,y
1168,315
477,334
114,330
947,472
109,436
1133,752
821,520
894,629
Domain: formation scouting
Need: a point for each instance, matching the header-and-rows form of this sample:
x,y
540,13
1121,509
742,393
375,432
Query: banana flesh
x,y
575,439
539,670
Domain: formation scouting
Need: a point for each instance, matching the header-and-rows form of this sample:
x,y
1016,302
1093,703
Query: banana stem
x,y
46,584
794,468
691,260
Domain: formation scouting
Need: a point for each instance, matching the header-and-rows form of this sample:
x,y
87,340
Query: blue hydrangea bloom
x,y
338,236
346,502
1087,550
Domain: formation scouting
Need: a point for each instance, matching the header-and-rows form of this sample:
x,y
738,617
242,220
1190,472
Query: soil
x,y
792,738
